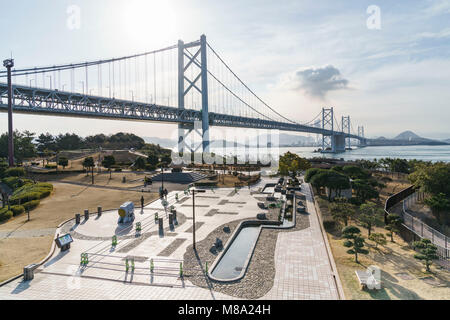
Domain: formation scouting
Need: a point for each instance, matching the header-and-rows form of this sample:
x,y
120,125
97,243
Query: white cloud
x,y
317,82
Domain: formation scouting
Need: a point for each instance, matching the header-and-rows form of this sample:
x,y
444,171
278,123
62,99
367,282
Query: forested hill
x,y
28,145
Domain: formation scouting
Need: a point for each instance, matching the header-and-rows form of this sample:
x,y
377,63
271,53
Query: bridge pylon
x,y
186,61
362,142
346,126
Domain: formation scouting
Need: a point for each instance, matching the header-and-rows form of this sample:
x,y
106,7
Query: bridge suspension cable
x,y
21,72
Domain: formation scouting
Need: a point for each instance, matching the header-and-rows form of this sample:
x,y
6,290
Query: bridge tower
x,y
346,125
185,84
327,124
362,142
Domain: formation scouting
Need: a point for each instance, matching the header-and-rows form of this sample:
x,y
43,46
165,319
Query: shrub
x,y
18,209
31,204
45,185
329,224
14,172
16,182
44,194
24,197
5,214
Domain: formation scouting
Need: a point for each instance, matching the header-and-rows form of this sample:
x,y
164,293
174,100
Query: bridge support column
x,y
205,114
181,131
338,143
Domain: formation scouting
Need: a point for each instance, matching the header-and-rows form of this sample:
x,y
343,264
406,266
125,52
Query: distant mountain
x,y
409,136
447,140
404,139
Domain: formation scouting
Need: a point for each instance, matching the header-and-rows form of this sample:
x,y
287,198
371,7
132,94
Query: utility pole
x,y
8,64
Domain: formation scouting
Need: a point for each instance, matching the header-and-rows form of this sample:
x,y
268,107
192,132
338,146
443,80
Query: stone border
x,y
261,272
263,224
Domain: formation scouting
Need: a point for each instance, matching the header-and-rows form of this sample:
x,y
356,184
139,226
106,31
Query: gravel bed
x,y
260,274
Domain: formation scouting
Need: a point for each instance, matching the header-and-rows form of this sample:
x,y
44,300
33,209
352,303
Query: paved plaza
x,y
302,267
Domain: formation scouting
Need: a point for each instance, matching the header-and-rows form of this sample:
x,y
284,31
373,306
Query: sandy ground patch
x,y
13,256
396,260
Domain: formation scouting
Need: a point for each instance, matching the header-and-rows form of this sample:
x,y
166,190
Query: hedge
x,y
14,172
16,210
16,182
31,204
51,166
24,197
5,214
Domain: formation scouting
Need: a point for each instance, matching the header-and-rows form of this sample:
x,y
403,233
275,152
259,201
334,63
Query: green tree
x,y
336,182
88,163
46,142
341,211
310,173
354,241
364,190
370,215
355,172
433,179
378,238
427,252
23,145
68,141
140,163
291,163
108,162
393,225
63,161
440,205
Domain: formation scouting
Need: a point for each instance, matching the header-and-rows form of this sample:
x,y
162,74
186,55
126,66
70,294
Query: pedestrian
x,y
142,202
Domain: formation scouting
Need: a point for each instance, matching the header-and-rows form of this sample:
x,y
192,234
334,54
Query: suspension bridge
x,y
181,84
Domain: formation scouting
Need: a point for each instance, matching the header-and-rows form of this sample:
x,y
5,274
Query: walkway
x,y
303,270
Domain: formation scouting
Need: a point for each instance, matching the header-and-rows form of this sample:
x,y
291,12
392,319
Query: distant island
x,y
406,138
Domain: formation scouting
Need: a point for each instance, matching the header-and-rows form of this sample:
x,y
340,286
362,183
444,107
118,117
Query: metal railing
x,y
423,230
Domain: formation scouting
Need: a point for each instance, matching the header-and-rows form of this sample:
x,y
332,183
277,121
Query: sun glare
x,y
149,21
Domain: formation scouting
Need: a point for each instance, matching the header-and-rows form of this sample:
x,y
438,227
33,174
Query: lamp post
x,y
194,191
162,177
8,64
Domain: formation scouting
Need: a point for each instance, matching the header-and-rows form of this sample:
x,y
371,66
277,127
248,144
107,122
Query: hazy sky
x,y
298,55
